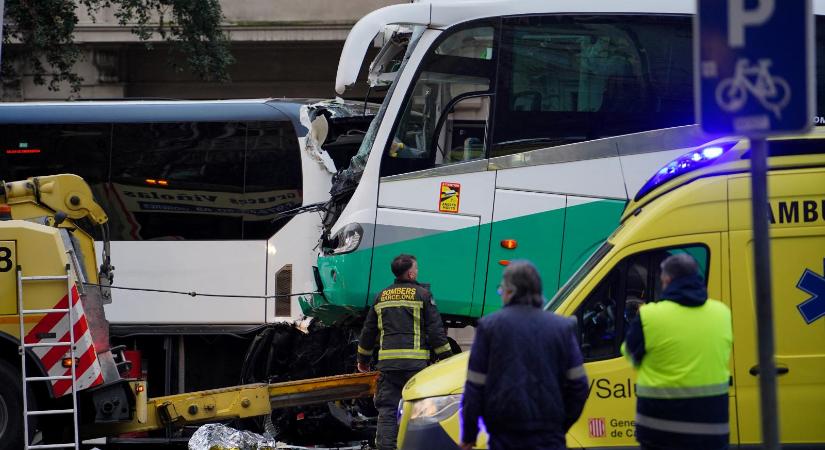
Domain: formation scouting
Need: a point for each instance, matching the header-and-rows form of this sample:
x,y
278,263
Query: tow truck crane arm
x,y
52,200
48,195
236,402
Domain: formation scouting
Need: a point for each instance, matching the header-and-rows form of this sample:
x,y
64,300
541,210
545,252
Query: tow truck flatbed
x,y
236,402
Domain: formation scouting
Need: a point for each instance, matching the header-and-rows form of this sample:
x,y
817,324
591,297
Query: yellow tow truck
x,y
60,381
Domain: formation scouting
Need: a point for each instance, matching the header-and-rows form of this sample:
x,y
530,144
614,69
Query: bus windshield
x,y
379,72
577,277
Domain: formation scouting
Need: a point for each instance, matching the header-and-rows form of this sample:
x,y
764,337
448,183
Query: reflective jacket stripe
x,y
575,373
364,351
403,354
476,377
398,304
416,328
444,348
380,330
416,307
682,392
675,426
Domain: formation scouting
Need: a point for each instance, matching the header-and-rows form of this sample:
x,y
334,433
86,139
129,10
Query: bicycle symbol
x,y
773,92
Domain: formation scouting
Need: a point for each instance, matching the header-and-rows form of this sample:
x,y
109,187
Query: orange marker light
x,y
509,244
67,362
163,182
140,388
504,262
151,181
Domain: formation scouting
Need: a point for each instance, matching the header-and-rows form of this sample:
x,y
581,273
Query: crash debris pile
x,y
220,437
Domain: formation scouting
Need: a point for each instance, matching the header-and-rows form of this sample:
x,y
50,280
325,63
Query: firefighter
x,y
405,325
681,347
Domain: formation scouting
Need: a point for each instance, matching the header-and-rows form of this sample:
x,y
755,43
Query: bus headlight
x,y
348,239
434,409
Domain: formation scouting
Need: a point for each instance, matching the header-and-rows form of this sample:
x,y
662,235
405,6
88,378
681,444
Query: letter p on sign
x,y
740,18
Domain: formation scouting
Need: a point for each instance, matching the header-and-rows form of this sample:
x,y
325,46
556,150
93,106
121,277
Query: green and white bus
x,y
510,129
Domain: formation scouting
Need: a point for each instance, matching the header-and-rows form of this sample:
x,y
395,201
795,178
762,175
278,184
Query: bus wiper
x,y
312,207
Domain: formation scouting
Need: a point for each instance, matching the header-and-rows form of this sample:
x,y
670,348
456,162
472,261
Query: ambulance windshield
x,y
577,277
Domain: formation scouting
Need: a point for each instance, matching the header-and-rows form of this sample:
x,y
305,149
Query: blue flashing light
x,y
712,152
688,162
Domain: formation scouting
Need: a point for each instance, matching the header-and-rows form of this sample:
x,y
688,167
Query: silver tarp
x,y
220,437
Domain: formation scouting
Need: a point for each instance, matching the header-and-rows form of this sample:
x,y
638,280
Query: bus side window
x,y
604,316
50,149
273,181
460,64
565,79
170,179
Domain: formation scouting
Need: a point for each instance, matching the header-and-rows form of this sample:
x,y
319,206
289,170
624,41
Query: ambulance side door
x,y
797,259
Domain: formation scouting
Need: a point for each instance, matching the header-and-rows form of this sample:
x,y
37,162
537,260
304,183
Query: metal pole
x,y
764,305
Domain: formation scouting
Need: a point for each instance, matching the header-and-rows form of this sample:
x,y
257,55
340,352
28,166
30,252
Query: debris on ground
x,y
220,437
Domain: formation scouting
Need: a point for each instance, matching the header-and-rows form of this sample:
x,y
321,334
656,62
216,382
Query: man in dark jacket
x,y
395,321
525,377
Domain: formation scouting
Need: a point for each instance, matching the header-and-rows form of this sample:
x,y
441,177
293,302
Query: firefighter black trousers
x,y
387,397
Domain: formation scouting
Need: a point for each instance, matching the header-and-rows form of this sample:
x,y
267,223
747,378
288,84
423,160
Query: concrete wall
x,y
282,48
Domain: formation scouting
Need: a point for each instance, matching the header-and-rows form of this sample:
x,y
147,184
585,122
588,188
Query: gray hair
x,y
679,265
523,279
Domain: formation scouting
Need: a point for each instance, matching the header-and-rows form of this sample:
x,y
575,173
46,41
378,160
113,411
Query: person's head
x,y
405,267
521,283
677,266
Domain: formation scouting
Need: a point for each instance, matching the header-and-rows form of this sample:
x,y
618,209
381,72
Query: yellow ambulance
x,y
698,204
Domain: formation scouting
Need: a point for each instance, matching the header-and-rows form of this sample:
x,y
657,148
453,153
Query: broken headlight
x,y
434,409
348,239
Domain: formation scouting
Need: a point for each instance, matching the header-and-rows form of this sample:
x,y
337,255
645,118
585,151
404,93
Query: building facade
x,y
282,48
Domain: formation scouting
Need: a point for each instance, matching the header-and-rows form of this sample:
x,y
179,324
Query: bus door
x,y
435,194
526,225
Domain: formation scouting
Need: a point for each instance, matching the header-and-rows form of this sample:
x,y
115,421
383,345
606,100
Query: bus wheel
x,y
11,407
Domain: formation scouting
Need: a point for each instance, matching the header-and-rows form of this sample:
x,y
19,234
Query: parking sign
x,y
754,66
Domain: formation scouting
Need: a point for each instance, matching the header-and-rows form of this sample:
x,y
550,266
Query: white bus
x,y
198,195
510,129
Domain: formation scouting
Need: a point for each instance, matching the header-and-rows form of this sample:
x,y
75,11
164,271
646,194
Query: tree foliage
x,y
38,36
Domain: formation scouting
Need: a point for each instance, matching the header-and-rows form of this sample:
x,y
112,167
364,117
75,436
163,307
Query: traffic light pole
x,y
762,282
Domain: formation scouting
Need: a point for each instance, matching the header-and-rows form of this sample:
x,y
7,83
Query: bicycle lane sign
x,y
755,66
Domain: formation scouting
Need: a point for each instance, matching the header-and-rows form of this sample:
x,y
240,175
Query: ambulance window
x,y
699,253
597,319
608,310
